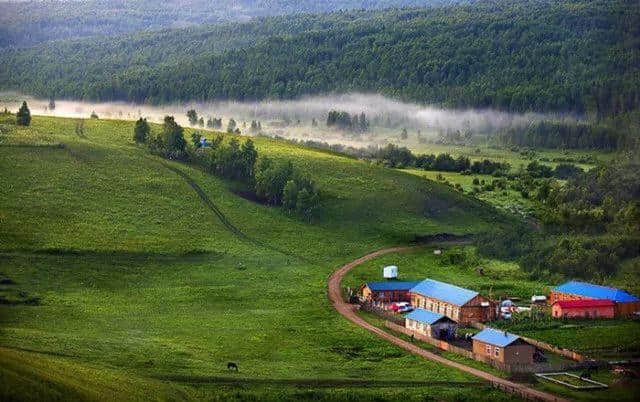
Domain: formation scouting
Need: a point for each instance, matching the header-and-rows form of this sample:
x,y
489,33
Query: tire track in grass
x,y
223,219
317,383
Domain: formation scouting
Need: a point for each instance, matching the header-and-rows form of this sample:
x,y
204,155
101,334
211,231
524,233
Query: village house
x,y
386,292
431,324
503,347
461,305
587,308
625,304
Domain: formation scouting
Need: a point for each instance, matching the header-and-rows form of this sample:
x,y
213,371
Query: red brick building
x,y
586,308
387,292
462,305
625,303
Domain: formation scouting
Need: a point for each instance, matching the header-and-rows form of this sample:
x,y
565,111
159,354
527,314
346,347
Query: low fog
x,y
293,118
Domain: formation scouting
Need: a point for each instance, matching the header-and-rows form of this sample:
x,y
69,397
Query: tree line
x,y
578,135
273,182
344,121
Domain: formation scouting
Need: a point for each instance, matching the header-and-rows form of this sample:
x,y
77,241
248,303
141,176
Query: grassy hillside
x,y
111,261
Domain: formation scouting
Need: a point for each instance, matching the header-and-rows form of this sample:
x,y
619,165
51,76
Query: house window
x,y
497,352
488,349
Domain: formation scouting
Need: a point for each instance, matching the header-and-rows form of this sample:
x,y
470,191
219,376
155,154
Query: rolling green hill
x,y
579,56
113,267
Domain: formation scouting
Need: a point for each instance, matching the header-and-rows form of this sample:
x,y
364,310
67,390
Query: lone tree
x,y
231,127
23,117
141,131
193,117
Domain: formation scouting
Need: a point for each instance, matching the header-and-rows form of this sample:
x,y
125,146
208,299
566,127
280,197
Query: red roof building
x,y
585,308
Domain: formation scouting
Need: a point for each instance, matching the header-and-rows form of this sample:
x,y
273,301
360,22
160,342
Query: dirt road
x,y
348,312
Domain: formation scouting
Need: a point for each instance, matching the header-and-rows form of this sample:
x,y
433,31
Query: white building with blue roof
x,y
459,304
431,324
502,346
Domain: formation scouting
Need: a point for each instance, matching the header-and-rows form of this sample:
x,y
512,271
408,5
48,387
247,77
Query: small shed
x,y
431,324
502,346
390,272
589,308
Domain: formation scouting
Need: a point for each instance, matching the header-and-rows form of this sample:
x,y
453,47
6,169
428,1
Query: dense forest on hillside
x,y
579,56
591,226
25,23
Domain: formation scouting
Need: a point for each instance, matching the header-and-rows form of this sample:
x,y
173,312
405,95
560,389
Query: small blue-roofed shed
x,y
431,324
502,346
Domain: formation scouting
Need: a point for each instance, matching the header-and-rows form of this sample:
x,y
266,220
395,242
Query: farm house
x,y
625,303
588,308
386,292
461,305
502,346
431,324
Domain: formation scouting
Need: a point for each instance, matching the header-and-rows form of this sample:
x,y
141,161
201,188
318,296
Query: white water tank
x,y
390,272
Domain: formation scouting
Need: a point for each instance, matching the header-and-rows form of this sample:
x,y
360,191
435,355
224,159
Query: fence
x,y
383,313
512,368
427,339
546,346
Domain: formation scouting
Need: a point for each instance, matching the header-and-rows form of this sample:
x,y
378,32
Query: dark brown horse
x,y
232,366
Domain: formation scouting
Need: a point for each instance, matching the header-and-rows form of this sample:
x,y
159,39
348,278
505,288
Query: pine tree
x,y
141,131
23,117
193,117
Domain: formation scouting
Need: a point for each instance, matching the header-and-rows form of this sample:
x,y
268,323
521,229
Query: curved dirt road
x,y
335,295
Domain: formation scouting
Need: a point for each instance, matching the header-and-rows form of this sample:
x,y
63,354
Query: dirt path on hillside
x,y
348,311
223,219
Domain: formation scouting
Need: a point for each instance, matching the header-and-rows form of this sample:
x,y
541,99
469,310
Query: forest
x,y
510,55
590,226
27,23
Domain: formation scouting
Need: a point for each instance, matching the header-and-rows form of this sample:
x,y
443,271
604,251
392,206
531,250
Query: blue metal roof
x,y
422,315
596,291
444,291
390,285
495,337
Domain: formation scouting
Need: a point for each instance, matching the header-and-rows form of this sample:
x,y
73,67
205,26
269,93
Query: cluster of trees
x,y
344,121
564,135
256,127
395,156
437,56
280,183
215,123
591,226
232,160
277,183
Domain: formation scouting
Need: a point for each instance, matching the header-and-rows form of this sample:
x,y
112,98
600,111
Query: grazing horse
x,y
232,366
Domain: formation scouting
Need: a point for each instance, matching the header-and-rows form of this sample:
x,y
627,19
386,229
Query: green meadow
x,y
114,271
